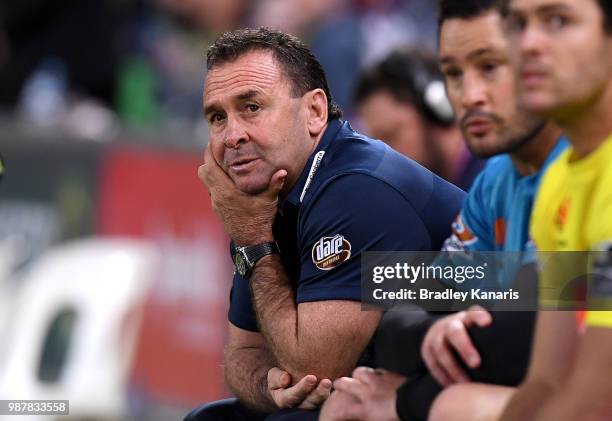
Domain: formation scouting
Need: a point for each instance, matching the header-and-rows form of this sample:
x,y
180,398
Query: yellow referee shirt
x,y
573,212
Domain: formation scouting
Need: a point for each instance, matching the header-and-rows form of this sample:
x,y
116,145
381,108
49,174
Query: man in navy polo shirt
x,y
301,195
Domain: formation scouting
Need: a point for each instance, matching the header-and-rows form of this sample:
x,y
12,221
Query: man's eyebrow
x,y
544,9
555,7
209,109
480,52
243,96
446,60
250,94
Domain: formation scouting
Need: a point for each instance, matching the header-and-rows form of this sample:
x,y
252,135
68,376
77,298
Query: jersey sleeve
x,y
241,312
352,214
472,229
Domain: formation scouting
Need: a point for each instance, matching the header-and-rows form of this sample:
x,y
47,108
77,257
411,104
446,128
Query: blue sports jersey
x,y
355,194
496,212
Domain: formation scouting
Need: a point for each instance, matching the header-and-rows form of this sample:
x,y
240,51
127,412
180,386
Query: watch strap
x,y
256,252
251,254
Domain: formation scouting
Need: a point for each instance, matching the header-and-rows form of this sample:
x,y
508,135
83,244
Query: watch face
x,y
240,264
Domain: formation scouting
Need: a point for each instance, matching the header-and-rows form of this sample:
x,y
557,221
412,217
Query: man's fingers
x,y
457,335
278,379
277,182
364,374
202,173
436,371
430,362
208,157
298,392
452,369
316,398
211,173
445,360
479,316
341,407
294,395
439,374
351,386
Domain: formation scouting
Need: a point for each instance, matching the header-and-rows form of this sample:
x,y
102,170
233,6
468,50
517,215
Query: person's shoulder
x,y
350,150
607,168
357,185
497,169
602,194
365,209
494,179
555,174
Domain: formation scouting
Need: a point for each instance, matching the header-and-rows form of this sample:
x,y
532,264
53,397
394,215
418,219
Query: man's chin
x,y
482,146
538,103
250,187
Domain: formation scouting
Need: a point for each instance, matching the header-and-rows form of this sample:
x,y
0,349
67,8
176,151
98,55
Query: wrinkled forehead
x,y
468,39
255,70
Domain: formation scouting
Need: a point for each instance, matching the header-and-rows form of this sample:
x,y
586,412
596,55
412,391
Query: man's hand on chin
x,y
247,218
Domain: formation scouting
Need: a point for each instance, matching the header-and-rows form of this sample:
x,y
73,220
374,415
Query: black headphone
x,y
425,83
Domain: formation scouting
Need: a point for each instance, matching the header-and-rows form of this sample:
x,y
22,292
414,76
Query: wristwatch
x,y
245,257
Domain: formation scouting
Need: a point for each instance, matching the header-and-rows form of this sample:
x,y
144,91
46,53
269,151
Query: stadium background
x,y
114,272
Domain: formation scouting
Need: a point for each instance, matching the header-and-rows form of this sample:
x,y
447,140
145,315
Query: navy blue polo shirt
x,y
355,194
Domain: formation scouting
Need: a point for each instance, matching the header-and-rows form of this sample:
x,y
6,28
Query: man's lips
x,y
478,126
532,76
243,165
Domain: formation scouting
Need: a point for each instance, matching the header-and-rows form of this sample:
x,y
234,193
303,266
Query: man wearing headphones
x,y
401,100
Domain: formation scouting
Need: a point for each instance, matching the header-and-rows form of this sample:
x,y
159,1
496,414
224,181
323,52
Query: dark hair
x,y
300,65
606,11
408,75
465,9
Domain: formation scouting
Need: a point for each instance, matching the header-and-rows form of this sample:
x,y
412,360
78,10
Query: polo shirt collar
x,y
295,196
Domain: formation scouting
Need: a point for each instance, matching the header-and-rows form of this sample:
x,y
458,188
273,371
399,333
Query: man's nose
x,y
531,41
235,134
474,92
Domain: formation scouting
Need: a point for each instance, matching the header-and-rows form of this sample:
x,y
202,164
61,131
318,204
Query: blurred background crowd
x,y
114,273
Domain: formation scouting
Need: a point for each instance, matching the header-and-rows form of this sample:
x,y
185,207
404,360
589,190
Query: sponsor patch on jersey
x,y
461,236
500,232
563,212
331,252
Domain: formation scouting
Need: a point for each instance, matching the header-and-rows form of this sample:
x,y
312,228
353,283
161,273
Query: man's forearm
x,y
298,349
563,407
527,400
274,302
246,371
585,396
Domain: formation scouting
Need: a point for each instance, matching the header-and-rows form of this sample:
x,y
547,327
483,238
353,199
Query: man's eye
x,y
452,73
557,21
216,117
252,107
516,24
489,67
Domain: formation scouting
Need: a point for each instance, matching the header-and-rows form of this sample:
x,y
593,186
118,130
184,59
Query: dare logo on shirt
x,y
330,252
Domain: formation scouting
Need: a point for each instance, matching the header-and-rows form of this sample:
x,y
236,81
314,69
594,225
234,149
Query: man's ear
x,y
315,102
